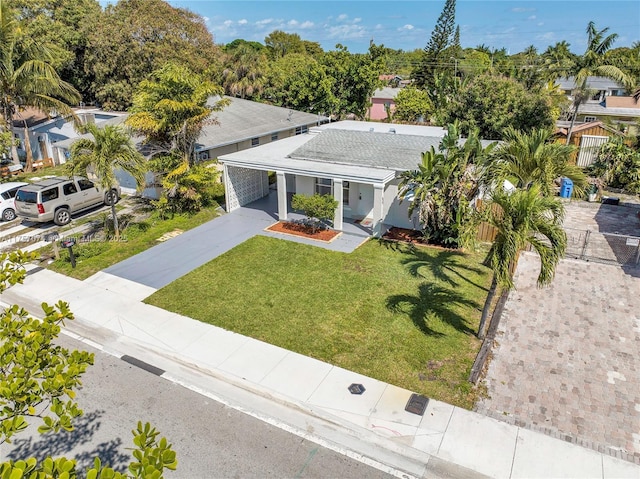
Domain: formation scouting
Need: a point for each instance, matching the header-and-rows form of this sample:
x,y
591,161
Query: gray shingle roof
x,y
244,119
364,148
594,83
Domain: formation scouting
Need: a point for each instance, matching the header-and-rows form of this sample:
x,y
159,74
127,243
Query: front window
x,y
274,137
589,119
345,193
255,142
324,186
301,129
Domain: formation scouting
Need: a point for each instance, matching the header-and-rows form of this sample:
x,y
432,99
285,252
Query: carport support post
x,y
378,198
281,182
337,195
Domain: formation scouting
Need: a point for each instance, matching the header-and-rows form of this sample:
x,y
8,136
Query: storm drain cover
x,y
356,388
417,404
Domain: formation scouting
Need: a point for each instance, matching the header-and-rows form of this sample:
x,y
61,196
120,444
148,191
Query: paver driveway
x,y
566,359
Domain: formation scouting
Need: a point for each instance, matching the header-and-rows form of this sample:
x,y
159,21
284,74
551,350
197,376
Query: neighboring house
x,y
359,163
587,136
240,125
45,132
383,103
607,103
246,124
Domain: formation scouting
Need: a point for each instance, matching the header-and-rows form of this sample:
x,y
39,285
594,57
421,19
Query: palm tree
x,y
443,185
557,59
533,158
523,218
27,78
171,107
110,149
593,63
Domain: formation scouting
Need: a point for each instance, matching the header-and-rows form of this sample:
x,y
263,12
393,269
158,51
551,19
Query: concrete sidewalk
x,y
307,396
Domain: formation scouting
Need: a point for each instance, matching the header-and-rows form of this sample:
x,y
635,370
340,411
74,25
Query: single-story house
x,y
587,136
46,132
240,125
383,103
359,163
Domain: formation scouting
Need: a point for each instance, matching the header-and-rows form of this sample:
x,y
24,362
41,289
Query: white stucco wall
x,y
395,213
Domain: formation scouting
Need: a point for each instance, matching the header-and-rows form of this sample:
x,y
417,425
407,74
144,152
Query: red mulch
x,y
412,237
402,234
302,230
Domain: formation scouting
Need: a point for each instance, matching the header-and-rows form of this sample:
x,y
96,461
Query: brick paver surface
x,y
567,357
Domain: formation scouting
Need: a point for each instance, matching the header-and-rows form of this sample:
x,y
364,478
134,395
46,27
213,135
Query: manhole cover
x,y
417,404
356,388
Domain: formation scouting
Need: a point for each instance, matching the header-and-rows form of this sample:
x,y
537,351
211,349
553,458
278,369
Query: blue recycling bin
x,y
566,188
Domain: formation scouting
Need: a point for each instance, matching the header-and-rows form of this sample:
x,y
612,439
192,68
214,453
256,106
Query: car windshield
x,y
27,196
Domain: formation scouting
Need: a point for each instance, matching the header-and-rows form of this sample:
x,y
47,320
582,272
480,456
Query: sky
x,y
407,25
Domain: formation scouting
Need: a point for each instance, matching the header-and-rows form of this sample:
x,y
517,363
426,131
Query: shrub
x,y
317,208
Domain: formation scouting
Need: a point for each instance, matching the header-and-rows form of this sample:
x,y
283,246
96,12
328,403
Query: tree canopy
x,y
135,37
492,104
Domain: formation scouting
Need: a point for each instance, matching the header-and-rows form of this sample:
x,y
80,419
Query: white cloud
x,y
306,24
346,31
342,17
547,36
379,26
357,20
406,27
540,24
228,23
292,23
266,21
206,19
243,21
522,9
532,17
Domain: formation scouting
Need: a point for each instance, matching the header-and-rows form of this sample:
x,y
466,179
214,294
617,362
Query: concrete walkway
x,y
171,259
307,396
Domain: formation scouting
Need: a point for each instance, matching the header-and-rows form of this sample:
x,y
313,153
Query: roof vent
x,y
392,130
371,129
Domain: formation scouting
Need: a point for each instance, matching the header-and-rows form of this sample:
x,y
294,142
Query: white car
x,y
7,202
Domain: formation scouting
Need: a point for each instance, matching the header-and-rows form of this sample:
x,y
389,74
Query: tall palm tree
x,y
27,78
523,218
593,63
110,149
533,158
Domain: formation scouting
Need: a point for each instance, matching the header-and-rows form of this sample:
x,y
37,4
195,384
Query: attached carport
x,y
246,177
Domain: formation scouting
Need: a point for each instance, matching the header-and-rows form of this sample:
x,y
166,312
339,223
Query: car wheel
x,y
8,214
62,217
111,197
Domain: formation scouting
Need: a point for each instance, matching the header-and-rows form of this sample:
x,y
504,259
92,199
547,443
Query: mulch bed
x,y
402,234
298,229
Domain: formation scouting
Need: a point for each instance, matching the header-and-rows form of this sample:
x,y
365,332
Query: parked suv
x,y
7,194
56,199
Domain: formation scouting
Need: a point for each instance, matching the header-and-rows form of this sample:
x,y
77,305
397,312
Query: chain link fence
x,y
610,248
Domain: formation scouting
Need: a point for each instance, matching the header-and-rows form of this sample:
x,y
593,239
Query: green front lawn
x,y
97,254
404,316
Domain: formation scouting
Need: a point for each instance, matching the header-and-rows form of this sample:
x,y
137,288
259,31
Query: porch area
x,y
265,210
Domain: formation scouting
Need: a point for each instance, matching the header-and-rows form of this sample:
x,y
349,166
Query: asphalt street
x,y
211,439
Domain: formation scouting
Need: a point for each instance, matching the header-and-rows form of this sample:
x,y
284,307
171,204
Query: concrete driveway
x,y
566,357
169,260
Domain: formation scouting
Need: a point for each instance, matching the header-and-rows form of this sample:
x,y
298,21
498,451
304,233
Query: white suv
x,y
56,199
7,194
